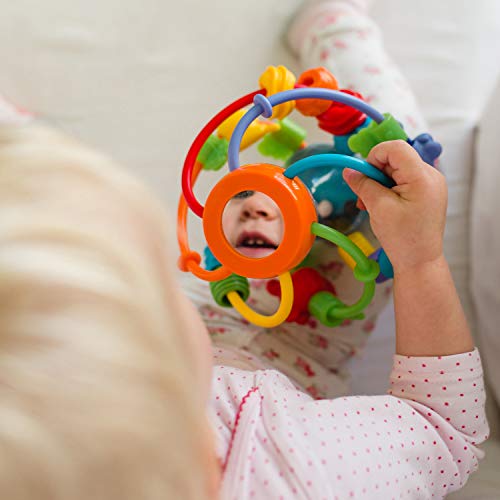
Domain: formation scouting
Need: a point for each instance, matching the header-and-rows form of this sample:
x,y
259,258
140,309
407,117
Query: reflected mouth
x,y
255,244
255,240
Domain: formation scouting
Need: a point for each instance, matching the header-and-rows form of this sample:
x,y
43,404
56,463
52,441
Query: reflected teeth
x,y
257,243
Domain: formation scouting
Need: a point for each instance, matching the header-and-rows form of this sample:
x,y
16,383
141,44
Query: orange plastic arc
x,y
297,209
189,260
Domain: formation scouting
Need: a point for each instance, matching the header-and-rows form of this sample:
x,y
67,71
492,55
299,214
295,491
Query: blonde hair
x,y
97,396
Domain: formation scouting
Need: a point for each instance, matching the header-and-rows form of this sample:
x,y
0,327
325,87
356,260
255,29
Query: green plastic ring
x,y
328,308
233,283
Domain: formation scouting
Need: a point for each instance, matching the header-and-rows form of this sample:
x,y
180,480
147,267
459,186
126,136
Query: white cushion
x,y
485,241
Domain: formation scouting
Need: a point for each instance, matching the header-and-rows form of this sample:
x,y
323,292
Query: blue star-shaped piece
x,y
427,148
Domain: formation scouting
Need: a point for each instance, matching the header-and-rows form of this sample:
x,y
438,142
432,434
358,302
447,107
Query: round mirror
x,y
253,224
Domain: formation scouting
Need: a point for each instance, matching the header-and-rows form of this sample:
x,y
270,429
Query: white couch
x,y
139,79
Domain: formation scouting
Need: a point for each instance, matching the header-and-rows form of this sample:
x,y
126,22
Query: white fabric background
x,y
485,240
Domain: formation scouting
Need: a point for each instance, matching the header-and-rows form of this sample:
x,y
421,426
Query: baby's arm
x,y
420,441
409,221
429,317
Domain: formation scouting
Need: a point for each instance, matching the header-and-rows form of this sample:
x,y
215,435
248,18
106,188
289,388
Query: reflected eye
x,y
243,194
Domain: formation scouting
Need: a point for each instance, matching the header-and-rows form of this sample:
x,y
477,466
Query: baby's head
x,y
104,369
253,224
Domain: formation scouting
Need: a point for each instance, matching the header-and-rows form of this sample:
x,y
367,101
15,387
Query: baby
x,y
110,389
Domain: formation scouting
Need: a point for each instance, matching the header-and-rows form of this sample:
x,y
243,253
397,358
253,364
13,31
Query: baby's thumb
x,y
368,190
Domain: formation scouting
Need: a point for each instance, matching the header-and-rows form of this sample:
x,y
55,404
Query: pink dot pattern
x,y
341,37
418,441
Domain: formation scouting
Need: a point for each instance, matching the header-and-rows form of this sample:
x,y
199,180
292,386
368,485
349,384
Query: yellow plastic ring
x,y
267,321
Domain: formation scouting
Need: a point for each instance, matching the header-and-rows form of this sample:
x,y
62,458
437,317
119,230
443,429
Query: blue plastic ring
x,y
338,161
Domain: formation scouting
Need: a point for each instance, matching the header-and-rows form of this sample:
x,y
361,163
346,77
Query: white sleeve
x,y
419,441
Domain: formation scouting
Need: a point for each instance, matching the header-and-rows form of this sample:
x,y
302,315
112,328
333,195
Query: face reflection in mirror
x,y
253,224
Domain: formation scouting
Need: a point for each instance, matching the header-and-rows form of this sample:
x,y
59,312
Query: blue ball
x,y
335,201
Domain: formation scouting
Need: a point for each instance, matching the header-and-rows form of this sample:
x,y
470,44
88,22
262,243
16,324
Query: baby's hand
x,y
408,219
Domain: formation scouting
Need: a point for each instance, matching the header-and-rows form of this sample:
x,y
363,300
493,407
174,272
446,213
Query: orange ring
x,y
297,208
189,260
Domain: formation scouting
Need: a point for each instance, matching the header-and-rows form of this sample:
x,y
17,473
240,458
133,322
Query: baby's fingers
x,y
398,160
368,190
